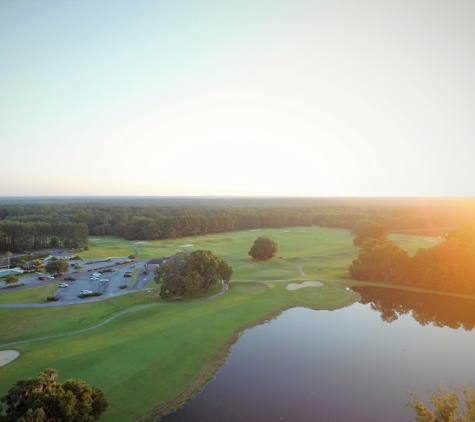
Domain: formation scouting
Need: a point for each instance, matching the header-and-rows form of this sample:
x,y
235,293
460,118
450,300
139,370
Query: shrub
x,y
11,278
69,279
123,286
12,286
52,298
82,296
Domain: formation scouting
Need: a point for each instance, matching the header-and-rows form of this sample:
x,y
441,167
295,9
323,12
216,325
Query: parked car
x,y
127,275
103,280
50,276
86,292
63,285
41,277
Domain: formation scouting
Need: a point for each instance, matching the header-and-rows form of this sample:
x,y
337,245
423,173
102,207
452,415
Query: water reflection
x,y
342,365
438,310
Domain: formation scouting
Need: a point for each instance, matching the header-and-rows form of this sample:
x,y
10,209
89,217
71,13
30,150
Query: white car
x,y
86,292
103,280
63,285
50,277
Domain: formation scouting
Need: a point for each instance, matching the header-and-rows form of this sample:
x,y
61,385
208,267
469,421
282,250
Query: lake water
x,y
351,364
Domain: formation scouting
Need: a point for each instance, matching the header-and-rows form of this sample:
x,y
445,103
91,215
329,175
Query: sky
x,y
239,98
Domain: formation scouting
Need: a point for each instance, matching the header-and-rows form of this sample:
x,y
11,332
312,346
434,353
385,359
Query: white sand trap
x,y
296,286
138,243
255,230
430,240
186,246
286,231
95,240
6,356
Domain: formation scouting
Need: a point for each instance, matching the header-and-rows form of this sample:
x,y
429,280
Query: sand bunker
x,y
255,230
186,246
138,243
6,356
296,286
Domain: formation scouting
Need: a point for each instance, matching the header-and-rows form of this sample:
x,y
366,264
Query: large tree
x,y
57,266
186,273
368,229
264,248
44,399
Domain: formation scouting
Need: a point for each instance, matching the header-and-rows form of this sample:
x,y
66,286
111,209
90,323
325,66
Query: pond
x,y
351,364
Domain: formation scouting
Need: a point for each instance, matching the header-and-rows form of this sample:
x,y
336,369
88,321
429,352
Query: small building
x,y
157,262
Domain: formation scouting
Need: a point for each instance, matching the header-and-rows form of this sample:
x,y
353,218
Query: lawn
x,y
29,295
159,350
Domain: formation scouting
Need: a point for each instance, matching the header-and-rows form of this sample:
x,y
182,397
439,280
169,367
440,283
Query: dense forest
x,y
448,266
34,223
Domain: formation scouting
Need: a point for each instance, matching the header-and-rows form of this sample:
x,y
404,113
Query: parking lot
x,y
108,283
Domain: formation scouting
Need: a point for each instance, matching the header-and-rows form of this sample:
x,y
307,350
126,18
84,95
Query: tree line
x,y
16,236
448,266
36,226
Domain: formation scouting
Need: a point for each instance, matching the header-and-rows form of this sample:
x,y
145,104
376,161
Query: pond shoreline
x,y
209,371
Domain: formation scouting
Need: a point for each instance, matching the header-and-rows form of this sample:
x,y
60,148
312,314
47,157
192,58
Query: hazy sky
x,y
248,97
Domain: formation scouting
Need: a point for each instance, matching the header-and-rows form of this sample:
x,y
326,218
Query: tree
x,y
44,399
11,278
263,248
57,266
187,273
447,405
368,229
210,268
381,260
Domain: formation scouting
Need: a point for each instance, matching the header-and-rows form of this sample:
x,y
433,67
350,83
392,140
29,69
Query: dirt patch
x,y
6,356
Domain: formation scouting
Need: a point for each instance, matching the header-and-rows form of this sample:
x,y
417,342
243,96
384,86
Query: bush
x,y
108,270
12,286
123,286
132,256
69,279
82,296
78,266
11,278
52,298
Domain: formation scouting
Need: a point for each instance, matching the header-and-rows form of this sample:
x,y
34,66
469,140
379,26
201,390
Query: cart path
x,y
112,318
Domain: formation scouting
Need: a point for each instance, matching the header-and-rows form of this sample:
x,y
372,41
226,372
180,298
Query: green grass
x,y
29,295
105,247
159,350
165,343
133,279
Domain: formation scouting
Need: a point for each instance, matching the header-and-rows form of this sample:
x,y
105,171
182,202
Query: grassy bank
x,y
165,351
